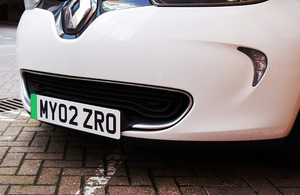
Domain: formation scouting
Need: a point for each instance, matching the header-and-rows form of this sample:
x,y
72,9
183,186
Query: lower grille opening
x,y
142,107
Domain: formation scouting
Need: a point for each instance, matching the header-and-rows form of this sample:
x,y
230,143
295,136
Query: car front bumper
x,y
190,49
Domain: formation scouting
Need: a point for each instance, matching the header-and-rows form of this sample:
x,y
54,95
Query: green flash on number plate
x,y
33,99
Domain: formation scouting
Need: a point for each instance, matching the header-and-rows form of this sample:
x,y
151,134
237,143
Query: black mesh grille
x,y
138,104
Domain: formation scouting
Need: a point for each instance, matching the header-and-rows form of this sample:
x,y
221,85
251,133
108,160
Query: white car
x,y
180,70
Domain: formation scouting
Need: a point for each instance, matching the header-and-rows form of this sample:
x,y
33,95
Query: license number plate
x,y
88,118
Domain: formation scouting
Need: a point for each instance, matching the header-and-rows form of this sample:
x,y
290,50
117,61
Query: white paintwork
x,y
188,48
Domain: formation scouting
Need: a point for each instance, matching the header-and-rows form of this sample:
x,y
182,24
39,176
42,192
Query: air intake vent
x,y
10,104
142,107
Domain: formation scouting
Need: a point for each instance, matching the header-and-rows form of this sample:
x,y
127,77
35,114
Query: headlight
x,y
30,4
203,2
110,5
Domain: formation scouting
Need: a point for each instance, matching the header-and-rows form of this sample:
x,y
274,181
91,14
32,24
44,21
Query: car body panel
x,y
188,48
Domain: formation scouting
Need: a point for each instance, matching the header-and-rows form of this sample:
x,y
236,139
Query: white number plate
x,y
92,119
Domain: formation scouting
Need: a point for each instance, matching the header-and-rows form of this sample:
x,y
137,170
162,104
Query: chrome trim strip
x,y
24,94
170,124
58,25
139,126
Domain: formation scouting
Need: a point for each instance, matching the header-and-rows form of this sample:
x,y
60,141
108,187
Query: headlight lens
x,y
30,4
110,5
203,2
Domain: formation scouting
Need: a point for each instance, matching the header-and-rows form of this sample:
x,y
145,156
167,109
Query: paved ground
x,y
8,62
36,158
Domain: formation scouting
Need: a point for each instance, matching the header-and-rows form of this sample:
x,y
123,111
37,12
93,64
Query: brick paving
x,y
36,158
9,78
